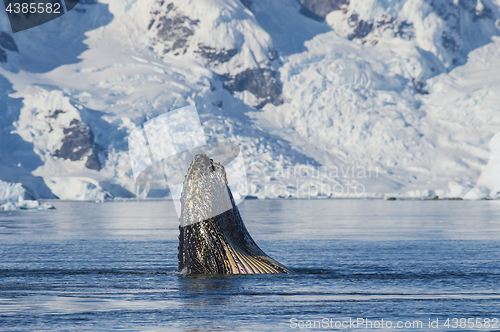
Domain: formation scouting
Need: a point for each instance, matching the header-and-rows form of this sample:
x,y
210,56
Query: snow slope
x,y
381,98
359,100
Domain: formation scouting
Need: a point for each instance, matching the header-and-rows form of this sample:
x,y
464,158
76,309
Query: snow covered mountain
x,y
326,98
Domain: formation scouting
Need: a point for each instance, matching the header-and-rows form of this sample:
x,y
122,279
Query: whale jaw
x,y
217,244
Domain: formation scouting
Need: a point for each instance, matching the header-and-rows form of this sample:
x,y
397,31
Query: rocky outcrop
x,y
457,21
78,144
264,83
173,29
362,28
419,86
318,9
215,56
245,63
453,14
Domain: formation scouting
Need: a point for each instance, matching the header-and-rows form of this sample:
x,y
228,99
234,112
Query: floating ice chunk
x,y
488,185
9,206
11,192
26,205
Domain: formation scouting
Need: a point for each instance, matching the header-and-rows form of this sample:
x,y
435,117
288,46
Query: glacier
x,y
326,99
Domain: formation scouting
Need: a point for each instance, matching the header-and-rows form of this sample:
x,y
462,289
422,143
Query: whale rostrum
x,y
213,238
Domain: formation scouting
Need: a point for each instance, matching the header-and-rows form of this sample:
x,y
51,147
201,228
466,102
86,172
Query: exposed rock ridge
x,y
175,33
264,83
78,144
318,9
78,141
173,28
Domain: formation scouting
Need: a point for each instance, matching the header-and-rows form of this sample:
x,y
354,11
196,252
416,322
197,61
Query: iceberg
x,y
488,184
12,198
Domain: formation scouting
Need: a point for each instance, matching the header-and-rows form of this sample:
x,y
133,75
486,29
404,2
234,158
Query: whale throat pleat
x,y
213,238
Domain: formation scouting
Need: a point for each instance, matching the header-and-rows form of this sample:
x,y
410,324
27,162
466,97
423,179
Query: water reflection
x,y
89,219
211,290
112,266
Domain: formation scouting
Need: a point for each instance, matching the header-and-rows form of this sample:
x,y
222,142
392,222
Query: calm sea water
x,y
112,266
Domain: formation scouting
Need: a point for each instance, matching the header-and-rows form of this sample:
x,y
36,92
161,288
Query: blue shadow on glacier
x,y
288,28
17,158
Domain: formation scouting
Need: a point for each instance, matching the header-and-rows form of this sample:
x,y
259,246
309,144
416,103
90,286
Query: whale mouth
x,y
213,238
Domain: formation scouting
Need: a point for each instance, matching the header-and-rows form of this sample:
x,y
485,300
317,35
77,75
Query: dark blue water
x,y
112,266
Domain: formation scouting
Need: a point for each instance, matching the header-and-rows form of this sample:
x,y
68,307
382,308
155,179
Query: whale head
x,y
213,238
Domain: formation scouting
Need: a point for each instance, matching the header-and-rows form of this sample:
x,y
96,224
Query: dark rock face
x,y
454,14
78,144
403,30
173,28
174,32
449,11
264,83
363,28
272,54
212,55
448,42
419,87
56,113
7,42
308,13
318,9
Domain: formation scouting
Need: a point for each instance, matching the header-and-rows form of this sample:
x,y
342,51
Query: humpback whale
x,y
213,238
